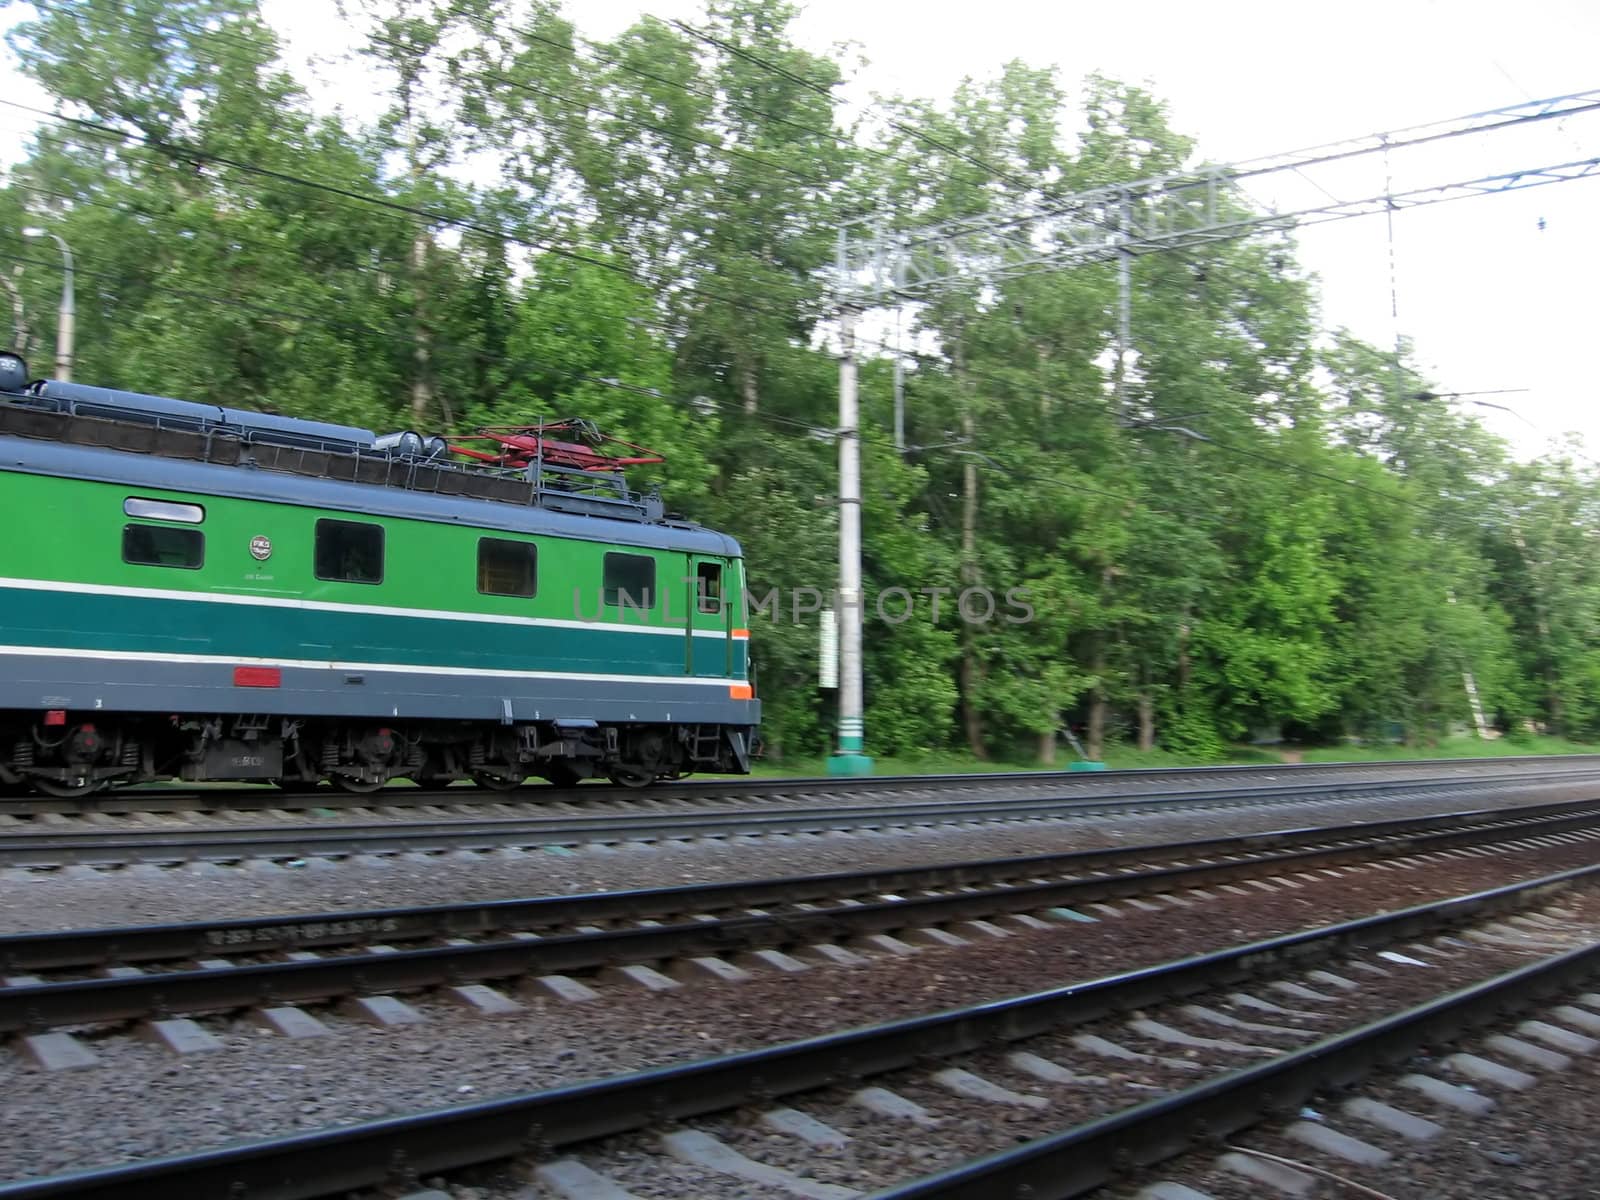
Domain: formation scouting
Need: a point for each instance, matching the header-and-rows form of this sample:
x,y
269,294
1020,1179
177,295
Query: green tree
x,y
205,269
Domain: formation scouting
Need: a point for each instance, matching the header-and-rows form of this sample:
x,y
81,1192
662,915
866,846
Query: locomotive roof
x,y
157,443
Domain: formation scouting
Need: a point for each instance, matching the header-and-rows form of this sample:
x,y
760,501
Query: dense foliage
x,y
1251,527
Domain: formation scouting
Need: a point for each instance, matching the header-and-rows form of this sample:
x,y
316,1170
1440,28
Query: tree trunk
x,y
1554,704
1094,743
1047,749
1098,702
421,244
971,668
1094,737
748,389
1147,723
22,335
421,337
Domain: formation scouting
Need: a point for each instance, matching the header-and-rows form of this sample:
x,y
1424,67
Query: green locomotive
x,y
198,592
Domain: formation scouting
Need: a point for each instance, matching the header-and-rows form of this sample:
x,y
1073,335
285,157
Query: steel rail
x,y
128,944
75,1002
330,1161
99,847
1080,1160
175,798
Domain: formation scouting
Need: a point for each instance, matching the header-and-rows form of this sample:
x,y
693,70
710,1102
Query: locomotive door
x,y
710,650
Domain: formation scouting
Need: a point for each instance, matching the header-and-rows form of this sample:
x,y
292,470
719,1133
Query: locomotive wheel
x,y
66,791
357,787
496,783
632,777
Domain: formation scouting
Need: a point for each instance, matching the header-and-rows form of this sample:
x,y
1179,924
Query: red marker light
x,y
262,677
56,716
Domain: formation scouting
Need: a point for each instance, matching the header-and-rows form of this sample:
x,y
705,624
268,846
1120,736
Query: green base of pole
x,y
849,764
1086,765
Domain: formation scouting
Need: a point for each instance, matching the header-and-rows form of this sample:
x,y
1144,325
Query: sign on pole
x,y
828,651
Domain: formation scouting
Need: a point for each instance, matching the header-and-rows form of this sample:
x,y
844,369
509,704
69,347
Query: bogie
x,y
81,757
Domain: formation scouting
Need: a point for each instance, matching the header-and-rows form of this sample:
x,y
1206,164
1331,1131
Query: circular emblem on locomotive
x,y
261,547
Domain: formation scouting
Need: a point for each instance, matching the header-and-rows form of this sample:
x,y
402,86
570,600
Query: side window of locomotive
x,y
349,552
708,587
163,510
507,568
163,546
630,581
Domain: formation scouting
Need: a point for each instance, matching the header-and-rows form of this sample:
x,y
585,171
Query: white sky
x,y
1491,300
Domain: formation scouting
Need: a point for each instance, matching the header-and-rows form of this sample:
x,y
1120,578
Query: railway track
x,y
175,799
55,846
1304,1011
690,931
1090,1154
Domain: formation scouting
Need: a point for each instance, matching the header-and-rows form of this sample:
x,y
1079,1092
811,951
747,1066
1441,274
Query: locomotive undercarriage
x,y
69,754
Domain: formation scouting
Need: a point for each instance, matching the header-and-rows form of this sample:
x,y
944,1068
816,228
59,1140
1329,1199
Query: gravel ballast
x,y
146,1103
82,897
1536,1144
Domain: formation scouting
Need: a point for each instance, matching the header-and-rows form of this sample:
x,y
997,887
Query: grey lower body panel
x,y
36,683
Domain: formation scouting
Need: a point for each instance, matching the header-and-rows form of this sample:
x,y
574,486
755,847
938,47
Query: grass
x,y
1120,757
929,764
1462,747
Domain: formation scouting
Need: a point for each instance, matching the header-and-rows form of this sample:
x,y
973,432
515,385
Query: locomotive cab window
x,y
708,587
163,546
507,568
630,581
349,552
